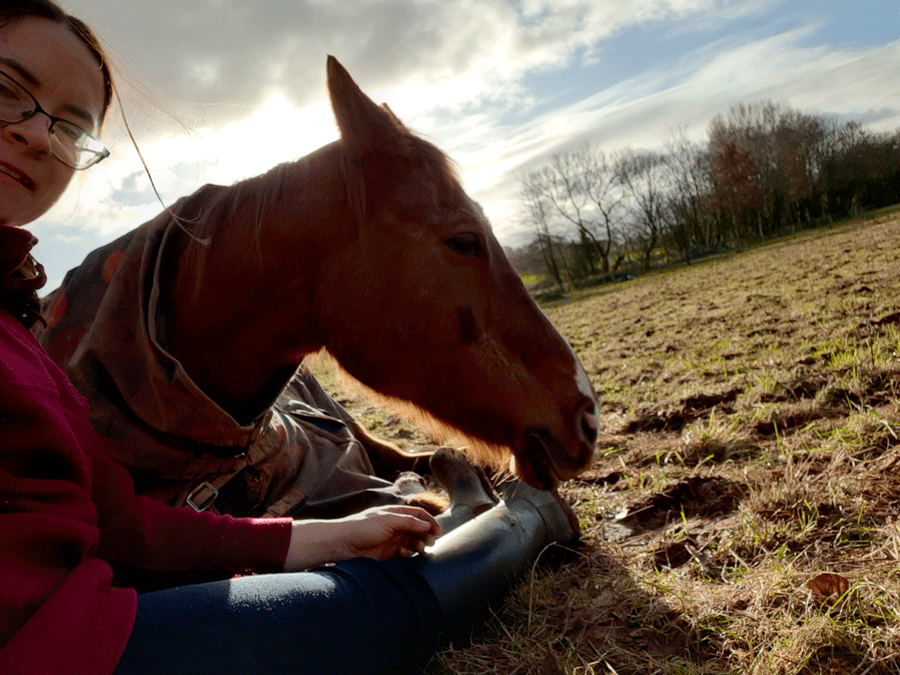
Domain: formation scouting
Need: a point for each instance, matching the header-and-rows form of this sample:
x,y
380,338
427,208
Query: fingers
x,y
413,529
391,531
412,518
412,545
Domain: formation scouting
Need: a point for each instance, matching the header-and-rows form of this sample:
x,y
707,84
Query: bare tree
x,y
531,194
645,181
601,189
693,225
563,183
577,188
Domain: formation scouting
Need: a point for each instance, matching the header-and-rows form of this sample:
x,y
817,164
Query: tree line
x,y
764,170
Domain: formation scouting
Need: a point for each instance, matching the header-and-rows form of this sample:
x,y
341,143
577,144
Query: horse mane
x,y
440,166
243,208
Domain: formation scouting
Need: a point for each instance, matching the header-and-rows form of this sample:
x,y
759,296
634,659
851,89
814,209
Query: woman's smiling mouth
x,y
17,175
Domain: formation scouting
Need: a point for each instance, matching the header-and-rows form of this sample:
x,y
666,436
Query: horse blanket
x,y
106,330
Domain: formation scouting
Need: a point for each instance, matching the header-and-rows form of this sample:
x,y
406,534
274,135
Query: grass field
x,y
751,411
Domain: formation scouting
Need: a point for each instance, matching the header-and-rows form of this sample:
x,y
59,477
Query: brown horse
x,y
368,248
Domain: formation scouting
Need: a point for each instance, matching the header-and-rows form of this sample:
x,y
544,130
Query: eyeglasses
x,y
69,143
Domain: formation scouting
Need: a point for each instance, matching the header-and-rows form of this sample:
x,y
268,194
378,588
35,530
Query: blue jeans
x,y
359,616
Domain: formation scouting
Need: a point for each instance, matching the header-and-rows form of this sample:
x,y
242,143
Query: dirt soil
x,y
751,412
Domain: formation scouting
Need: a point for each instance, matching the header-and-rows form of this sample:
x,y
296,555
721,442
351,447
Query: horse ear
x,y
384,106
365,127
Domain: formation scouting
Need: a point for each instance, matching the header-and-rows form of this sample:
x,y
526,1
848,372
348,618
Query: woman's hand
x,y
382,532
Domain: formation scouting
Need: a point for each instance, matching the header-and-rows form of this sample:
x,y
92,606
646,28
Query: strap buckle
x,y
202,496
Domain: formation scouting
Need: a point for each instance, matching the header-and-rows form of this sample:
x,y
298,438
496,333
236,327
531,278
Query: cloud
x,y
222,58
247,77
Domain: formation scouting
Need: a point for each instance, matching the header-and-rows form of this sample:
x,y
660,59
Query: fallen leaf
x,y
828,584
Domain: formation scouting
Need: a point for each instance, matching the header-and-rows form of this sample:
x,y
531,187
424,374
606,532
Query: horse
x,y
367,248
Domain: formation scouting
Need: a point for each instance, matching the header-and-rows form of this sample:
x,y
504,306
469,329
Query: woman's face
x,y
65,77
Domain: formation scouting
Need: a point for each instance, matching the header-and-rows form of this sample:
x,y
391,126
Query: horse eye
x,y
465,244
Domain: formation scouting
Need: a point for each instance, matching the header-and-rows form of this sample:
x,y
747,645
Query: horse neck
x,y
247,322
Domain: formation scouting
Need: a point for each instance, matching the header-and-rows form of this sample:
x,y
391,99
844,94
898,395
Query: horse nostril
x,y
589,426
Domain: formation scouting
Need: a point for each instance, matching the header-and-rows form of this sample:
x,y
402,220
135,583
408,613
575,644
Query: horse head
x,y
419,303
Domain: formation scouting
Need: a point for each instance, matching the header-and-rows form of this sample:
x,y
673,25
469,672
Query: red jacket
x,y
67,515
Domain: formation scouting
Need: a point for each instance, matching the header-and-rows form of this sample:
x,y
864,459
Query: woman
x,y
69,518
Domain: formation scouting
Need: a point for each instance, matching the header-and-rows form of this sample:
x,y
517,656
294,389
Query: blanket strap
x,y
202,496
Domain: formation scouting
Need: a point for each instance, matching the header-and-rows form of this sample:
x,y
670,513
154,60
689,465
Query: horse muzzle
x,y
544,461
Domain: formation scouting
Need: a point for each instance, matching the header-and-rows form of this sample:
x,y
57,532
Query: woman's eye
x,y
465,244
70,131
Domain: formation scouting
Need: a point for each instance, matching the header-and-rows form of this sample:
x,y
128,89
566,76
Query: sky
x,y
216,91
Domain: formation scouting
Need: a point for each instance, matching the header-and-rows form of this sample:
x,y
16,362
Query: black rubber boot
x,y
477,563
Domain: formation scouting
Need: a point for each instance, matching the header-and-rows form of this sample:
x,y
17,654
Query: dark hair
x,y
12,10
18,290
